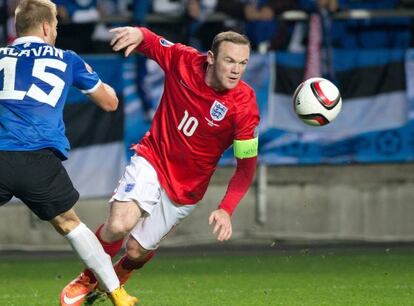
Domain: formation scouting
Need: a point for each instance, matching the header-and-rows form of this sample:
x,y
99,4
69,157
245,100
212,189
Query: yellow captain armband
x,y
246,148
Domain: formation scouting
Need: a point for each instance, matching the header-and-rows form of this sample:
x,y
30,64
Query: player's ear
x,y
45,28
210,57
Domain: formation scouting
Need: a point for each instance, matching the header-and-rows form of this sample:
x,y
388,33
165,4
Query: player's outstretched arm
x,y
105,97
126,37
222,224
238,186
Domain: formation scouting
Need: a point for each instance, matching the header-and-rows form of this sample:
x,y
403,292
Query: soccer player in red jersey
x,y
205,108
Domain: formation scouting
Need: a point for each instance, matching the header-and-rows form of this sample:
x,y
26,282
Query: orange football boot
x,y
74,293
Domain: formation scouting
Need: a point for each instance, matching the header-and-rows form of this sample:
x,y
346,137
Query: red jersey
x,y
194,124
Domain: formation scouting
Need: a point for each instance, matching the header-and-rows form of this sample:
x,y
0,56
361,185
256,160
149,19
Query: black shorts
x,y
39,179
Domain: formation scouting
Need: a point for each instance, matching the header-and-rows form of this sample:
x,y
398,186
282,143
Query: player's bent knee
x,y
117,229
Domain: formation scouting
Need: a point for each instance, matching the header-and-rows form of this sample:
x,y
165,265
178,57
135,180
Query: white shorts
x,y
140,184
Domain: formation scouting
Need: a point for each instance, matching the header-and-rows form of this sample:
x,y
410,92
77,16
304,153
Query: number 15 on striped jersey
x,y
8,92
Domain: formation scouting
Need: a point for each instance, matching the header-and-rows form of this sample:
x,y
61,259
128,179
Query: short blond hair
x,y
229,36
31,13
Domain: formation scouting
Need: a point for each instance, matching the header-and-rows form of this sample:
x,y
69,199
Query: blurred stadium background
x,y
349,182
335,202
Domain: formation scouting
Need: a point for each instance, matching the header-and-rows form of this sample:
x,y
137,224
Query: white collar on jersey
x,y
27,39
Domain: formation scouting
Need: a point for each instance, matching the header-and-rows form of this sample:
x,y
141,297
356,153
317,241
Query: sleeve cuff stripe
x,y
88,91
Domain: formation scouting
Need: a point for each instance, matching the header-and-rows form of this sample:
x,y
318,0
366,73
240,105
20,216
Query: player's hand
x,y
126,37
222,224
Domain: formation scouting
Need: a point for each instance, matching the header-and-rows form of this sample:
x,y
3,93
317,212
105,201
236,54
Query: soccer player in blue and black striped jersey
x,y
35,78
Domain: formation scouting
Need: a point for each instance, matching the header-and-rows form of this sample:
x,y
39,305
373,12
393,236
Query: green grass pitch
x,y
321,277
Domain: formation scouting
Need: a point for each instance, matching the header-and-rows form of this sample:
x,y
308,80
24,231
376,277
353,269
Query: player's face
x,y
228,65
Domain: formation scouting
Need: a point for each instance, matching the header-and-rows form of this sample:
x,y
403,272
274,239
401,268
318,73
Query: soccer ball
x,y
317,101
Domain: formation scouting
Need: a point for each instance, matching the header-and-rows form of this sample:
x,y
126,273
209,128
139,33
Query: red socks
x,y
129,264
111,248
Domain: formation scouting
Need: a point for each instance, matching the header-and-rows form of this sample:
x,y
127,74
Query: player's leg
x,y
89,249
145,238
123,217
160,216
134,258
137,192
136,195
45,187
147,234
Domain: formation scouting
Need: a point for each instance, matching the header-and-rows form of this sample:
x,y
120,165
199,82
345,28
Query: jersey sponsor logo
x,y
129,187
166,43
218,111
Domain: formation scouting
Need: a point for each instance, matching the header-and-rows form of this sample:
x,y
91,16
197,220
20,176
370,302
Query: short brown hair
x,y
229,36
30,13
